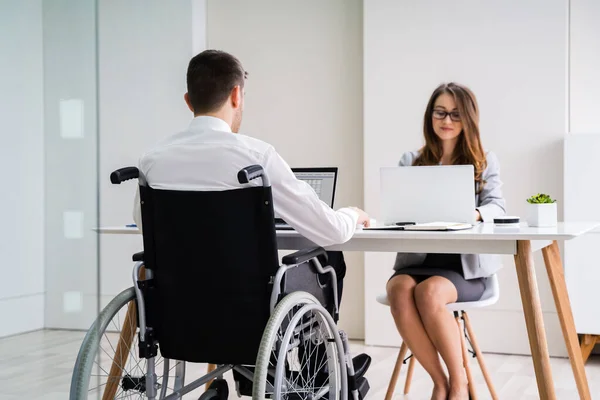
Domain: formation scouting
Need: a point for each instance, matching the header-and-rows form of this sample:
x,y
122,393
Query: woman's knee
x,y
434,294
400,292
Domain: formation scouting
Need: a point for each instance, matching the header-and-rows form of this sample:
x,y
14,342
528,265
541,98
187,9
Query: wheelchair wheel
x,y
301,355
108,365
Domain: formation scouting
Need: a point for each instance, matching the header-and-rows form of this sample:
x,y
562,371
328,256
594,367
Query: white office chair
x,y
489,297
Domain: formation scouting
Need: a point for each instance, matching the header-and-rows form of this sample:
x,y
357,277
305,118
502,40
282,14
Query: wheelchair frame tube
x,y
331,271
265,180
349,363
140,297
199,382
150,379
284,268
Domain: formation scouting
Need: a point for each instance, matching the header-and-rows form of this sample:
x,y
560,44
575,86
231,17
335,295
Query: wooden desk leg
x,y
532,309
122,352
565,315
211,368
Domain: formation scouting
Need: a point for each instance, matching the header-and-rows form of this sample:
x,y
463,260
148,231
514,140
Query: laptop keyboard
x,y
283,228
281,225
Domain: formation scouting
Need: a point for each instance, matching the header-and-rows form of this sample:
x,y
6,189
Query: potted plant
x,y
541,211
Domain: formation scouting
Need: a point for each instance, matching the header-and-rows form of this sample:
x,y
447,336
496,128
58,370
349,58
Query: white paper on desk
x,y
438,226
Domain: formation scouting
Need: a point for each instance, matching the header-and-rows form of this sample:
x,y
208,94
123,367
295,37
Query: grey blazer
x,y
489,203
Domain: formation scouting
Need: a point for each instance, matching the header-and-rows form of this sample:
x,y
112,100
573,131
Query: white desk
x,y
486,239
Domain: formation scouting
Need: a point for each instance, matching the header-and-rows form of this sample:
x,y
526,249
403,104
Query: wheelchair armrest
x,y
138,256
302,256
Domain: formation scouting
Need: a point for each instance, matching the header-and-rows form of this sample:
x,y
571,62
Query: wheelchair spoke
x,y
307,354
129,349
102,370
98,387
111,358
298,358
133,327
137,366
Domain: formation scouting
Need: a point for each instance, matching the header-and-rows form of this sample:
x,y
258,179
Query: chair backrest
x,y
212,255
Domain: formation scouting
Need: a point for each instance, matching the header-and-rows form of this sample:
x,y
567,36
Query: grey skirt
x,y
448,266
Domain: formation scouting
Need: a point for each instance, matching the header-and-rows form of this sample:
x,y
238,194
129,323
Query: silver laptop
x,y
426,194
323,181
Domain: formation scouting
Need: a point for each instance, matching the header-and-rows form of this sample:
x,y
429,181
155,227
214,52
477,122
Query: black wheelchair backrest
x,y
212,254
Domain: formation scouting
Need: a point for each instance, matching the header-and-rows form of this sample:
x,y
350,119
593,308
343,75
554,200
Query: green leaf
x,y
540,198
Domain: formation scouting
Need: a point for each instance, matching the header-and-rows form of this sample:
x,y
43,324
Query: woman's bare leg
x,y
431,297
401,296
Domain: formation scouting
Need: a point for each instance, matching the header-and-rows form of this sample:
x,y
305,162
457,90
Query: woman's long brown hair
x,y
468,149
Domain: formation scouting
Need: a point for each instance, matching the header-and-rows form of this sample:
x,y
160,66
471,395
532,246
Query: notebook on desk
x,y
323,181
430,198
428,226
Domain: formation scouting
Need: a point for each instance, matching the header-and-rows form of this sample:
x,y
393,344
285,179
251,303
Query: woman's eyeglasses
x,y
440,114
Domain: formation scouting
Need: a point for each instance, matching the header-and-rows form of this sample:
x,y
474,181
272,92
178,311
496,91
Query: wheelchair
x,y
208,288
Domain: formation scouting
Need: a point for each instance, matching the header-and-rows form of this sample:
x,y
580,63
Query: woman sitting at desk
x,y
423,284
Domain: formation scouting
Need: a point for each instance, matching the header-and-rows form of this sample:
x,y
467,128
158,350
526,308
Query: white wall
x,y
513,55
581,260
70,165
584,66
581,164
304,94
143,51
145,47
21,167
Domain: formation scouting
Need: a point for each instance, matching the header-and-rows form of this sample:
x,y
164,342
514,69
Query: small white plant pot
x,y
542,215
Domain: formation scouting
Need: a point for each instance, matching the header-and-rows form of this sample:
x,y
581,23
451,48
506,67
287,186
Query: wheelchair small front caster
x,y
218,390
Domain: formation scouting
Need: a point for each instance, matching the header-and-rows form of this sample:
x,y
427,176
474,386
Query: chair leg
x,y
463,345
397,367
587,345
479,356
411,367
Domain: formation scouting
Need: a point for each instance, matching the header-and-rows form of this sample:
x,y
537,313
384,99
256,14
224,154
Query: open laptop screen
x,y
322,180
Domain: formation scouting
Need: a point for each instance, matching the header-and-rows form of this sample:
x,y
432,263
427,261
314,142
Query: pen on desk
x,y
131,226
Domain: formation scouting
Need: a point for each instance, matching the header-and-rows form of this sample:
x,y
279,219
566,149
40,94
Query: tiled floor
x,y
38,365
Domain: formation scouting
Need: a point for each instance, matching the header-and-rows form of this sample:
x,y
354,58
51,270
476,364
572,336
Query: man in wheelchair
x,y
208,286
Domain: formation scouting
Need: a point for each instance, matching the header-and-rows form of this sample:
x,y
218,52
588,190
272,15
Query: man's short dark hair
x,y
211,76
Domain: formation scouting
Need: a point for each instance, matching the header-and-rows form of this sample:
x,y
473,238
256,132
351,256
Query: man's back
x,y
208,156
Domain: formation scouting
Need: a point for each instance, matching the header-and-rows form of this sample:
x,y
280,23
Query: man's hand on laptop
x,y
363,217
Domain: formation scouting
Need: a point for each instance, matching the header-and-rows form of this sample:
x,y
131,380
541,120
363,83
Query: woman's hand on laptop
x,y
363,217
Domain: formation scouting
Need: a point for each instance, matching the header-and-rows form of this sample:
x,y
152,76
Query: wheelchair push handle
x,y
252,172
124,174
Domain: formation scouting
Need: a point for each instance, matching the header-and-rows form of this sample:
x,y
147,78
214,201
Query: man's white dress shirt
x,y
207,156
